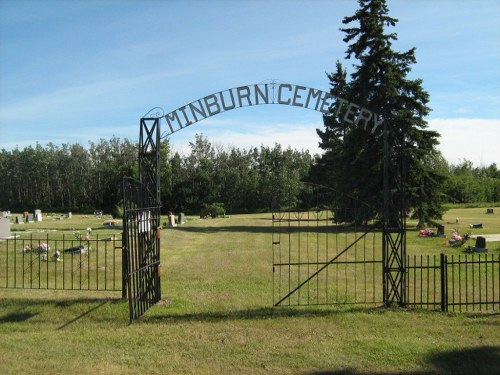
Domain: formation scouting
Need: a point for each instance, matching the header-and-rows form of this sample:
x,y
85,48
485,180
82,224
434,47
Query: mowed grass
x,y
466,217
216,317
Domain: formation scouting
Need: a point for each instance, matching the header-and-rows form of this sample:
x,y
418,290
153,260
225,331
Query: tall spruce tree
x,y
353,159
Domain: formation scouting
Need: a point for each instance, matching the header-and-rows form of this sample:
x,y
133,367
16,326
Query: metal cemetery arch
x,y
142,198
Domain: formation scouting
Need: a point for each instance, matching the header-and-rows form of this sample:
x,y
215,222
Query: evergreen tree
x,y
353,159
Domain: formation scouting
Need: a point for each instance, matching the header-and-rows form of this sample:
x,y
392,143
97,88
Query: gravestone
x,y
440,231
29,218
489,210
476,225
19,220
70,215
182,218
480,242
480,246
144,222
37,215
171,220
4,227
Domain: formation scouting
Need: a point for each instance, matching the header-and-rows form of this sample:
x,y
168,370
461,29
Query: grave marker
x,y
38,215
4,227
182,218
171,220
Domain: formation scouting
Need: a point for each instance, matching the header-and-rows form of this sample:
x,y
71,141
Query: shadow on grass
x,y
222,229
265,313
36,307
478,361
16,317
83,314
269,229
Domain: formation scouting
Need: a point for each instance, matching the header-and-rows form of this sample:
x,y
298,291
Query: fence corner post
x,y
444,282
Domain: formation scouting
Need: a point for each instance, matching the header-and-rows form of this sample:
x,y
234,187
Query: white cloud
x,y
298,136
477,140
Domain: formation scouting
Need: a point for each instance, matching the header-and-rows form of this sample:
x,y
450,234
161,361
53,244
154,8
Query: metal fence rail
x,y
454,283
64,264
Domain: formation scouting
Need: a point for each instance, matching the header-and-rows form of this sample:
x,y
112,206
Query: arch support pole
x,y
394,218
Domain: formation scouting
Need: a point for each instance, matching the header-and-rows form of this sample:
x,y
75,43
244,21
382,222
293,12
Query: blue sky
x,y
73,71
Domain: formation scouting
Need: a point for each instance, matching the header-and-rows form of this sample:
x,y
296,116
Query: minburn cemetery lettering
x,y
272,93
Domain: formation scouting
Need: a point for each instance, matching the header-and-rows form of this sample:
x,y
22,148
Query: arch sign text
x,y
270,93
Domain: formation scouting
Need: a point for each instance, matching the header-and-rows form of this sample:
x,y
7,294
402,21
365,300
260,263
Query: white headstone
x,y
144,222
171,220
4,227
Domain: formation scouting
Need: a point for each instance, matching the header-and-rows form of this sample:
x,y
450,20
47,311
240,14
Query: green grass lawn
x,y
216,317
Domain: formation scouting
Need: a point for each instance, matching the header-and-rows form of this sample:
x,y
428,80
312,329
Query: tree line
x,y
71,177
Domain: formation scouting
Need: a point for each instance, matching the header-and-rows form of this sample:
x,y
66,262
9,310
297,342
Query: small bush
x,y
213,210
118,211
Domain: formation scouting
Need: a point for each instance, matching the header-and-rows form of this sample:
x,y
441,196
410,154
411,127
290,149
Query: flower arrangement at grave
x,y
43,247
56,256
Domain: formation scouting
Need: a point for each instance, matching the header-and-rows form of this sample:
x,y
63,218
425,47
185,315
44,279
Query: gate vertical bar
x,y
444,282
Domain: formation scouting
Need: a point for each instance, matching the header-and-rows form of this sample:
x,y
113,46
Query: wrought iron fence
x,y
469,282
64,263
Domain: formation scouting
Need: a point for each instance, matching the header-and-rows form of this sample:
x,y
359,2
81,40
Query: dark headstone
x,y
440,231
489,210
480,242
476,225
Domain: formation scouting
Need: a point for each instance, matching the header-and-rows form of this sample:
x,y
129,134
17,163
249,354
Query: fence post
x,y
124,265
444,282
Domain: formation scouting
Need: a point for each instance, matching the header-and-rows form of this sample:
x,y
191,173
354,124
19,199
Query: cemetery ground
x,y
216,316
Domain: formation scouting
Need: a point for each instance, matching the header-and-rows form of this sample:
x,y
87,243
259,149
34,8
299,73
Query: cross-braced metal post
x,y
142,223
394,217
149,156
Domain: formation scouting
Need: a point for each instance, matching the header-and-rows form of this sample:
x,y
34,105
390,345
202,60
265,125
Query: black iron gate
x,y
313,241
142,223
324,253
